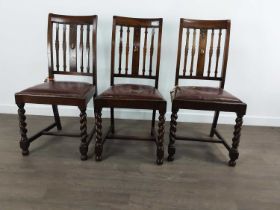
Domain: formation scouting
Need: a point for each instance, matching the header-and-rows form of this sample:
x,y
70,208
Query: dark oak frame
x,y
238,108
154,105
81,103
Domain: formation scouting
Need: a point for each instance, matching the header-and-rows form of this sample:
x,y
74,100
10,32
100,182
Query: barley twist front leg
x,y
172,135
24,142
160,147
98,143
83,129
234,153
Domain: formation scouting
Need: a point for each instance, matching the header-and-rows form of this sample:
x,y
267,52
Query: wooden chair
x,y
133,65
63,59
202,61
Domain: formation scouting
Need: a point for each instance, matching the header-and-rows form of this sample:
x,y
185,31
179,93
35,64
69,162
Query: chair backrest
x,y
137,43
72,45
199,50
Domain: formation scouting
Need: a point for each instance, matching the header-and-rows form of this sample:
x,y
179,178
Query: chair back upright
x,y
203,50
72,45
136,45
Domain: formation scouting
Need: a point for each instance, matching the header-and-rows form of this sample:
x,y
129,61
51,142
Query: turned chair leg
x,y
153,122
56,117
233,153
214,124
98,143
24,142
112,120
83,129
160,147
172,135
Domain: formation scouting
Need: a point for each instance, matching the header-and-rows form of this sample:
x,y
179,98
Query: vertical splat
x,y
82,47
136,50
186,51
201,53
133,48
210,53
57,46
206,54
88,49
73,47
64,47
152,52
145,51
127,50
218,52
69,45
193,51
120,49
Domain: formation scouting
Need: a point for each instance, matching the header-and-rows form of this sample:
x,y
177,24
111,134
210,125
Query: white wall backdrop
x,y
254,58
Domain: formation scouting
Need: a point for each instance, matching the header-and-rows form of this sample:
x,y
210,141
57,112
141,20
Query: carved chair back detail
x,y
136,44
203,50
72,45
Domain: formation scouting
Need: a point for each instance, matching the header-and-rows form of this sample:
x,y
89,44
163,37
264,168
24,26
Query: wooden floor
x,y
53,178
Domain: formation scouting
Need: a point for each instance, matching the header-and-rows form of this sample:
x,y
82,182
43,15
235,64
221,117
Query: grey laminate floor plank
x,y
52,176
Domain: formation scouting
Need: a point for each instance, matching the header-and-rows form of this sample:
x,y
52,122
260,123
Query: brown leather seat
x,y
57,92
209,94
131,95
205,98
132,92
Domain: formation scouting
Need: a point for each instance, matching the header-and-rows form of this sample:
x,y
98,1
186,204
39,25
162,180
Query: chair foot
x,y
233,154
98,158
98,143
83,129
159,161
211,133
160,155
232,163
84,157
98,152
25,152
83,151
24,145
170,158
171,152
